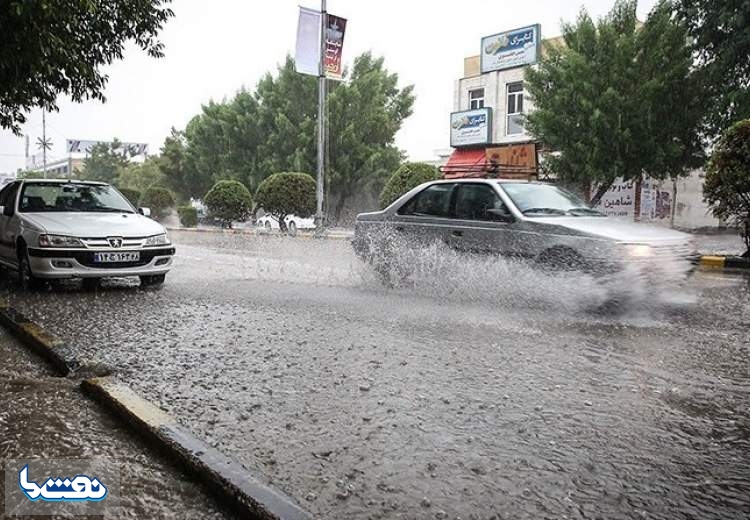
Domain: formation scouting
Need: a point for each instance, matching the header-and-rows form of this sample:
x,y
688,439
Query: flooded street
x,y
480,389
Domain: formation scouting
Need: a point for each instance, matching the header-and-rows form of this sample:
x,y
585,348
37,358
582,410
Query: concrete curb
x,y
228,479
724,262
254,232
51,348
247,492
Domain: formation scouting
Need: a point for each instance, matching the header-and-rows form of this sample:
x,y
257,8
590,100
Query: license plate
x,y
117,257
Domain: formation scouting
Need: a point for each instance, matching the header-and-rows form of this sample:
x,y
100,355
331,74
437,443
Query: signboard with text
x,y
511,49
334,44
470,127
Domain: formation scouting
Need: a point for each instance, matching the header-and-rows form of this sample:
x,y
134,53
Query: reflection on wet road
x,y
480,389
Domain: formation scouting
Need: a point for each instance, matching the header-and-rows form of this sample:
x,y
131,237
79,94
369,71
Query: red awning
x,y
466,163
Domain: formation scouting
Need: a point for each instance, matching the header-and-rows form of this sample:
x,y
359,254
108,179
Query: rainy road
x,y
482,390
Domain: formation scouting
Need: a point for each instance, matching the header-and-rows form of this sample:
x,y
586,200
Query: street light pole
x,y
319,218
44,143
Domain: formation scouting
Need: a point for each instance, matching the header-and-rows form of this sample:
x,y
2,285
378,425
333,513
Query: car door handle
x,y
457,233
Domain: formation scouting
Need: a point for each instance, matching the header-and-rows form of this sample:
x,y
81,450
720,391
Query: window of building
x,y
515,109
476,98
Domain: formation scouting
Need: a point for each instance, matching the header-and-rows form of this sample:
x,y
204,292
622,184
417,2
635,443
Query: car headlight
x,y
59,241
157,240
638,250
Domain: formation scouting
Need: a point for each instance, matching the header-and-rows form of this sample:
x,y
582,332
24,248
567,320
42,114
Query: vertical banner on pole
x,y
307,52
334,44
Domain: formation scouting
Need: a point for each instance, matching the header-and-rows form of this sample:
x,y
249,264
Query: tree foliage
x,y
159,200
618,100
727,186
229,201
721,34
141,176
274,129
287,193
105,161
408,176
133,196
53,47
188,216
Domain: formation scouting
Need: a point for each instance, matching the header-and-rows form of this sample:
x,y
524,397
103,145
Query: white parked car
x,y
53,229
293,223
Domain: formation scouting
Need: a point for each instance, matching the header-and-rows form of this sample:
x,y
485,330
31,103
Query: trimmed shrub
x,y
133,196
287,193
229,201
159,200
188,216
408,176
727,185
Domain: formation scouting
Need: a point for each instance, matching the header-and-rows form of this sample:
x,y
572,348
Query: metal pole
x,y
44,143
321,119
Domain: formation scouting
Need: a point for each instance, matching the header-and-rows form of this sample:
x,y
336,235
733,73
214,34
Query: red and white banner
x,y
334,45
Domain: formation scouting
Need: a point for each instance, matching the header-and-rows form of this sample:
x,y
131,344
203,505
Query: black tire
x,y
560,259
292,227
152,280
267,225
26,279
91,284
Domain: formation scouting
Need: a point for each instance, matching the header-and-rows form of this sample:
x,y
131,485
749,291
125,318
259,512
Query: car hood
x,y
616,229
93,225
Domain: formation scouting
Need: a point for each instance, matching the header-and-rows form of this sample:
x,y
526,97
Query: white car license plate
x,y
117,257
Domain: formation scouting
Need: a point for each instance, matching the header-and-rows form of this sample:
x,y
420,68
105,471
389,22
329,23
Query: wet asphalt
x,y
480,389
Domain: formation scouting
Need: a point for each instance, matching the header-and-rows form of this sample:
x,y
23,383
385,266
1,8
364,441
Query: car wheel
x,y
267,226
292,227
26,279
152,280
91,284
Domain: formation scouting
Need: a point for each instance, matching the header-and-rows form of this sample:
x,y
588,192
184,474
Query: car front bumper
x,y
79,263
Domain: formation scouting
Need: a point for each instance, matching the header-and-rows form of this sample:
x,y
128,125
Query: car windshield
x,y
538,200
72,197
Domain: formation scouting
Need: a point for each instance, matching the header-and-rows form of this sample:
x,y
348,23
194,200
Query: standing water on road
x,y
475,389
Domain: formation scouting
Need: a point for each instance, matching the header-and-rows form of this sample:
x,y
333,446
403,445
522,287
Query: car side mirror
x,y
6,210
500,214
146,212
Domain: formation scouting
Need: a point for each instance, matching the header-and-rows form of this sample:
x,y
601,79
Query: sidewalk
x,y
725,244
44,416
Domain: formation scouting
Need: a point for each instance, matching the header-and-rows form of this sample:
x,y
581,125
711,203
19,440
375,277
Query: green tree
x,y
618,100
229,201
274,129
727,186
105,161
409,175
183,181
133,196
54,47
287,193
188,216
141,176
721,34
159,200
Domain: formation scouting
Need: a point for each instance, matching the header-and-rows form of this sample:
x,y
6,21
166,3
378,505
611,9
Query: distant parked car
x,y
533,220
293,223
53,229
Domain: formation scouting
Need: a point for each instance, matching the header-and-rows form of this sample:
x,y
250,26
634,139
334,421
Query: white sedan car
x,y
293,223
54,229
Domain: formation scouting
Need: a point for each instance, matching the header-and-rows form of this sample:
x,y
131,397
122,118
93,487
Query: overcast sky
x,y
214,48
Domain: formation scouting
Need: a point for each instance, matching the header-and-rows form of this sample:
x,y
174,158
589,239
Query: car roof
x,y
489,181
64,181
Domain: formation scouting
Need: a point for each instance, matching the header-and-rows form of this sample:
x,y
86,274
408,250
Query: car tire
x,y
26,279
292,227
152,280
267,225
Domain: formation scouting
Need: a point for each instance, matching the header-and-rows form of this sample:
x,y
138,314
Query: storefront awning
x,y
466,163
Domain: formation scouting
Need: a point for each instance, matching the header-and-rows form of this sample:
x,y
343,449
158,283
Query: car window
x,y
64,197
434,201
8,195
474,200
